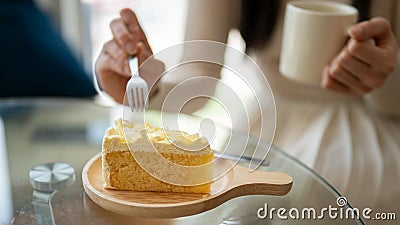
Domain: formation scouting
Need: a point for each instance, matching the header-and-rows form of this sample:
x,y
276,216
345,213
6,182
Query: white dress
x,y
350,141
344,139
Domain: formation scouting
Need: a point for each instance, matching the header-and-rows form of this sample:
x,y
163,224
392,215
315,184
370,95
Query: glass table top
x,y
34,132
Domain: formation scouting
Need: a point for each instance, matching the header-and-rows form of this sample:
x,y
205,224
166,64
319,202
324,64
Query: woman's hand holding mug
x,y
367,60
313,53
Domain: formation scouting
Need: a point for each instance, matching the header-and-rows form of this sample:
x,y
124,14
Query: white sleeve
x,y
206,20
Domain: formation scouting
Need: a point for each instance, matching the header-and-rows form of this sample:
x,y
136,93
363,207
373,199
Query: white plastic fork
x,y
136,88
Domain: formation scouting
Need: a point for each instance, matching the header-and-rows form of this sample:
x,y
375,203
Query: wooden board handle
x,y
245,182
260,182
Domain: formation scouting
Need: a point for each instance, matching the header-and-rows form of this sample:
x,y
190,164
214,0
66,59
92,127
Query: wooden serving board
x,y
237,182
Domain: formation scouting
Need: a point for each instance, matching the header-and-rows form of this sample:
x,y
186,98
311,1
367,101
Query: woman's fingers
x,y
381,61
143,52
131,22
109,79
346,70
112,64
107,63
128,32
118,56
373,42
377,28
351,71
365,51
340,74
329,83
123,37
368,59
353,64
113,48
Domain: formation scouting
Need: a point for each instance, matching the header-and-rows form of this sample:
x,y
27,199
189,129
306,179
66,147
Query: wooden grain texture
x,y
237,182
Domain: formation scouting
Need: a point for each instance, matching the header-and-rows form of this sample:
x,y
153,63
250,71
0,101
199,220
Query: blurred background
x,y
84,24
75,31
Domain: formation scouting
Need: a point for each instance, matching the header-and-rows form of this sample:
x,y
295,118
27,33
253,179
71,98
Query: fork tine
x,y
133,106
140,100
145,93
137,88
135,97
129,96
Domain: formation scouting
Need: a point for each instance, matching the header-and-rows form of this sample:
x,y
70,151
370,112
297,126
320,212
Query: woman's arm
x,y
206,20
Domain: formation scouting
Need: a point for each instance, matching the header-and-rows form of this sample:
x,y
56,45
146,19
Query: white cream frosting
x,y
139,135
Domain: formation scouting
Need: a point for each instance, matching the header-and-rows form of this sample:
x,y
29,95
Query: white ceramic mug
x,y
314,32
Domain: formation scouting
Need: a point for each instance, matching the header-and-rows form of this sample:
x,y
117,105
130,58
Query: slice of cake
x,y
155,160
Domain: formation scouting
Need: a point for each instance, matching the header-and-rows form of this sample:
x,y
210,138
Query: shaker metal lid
x,y
51,177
